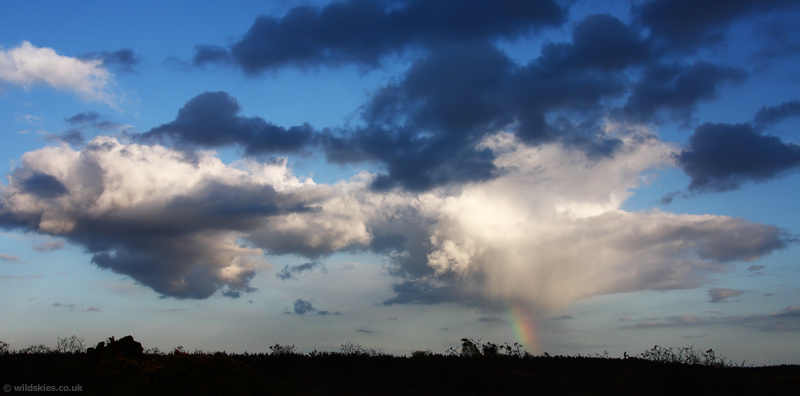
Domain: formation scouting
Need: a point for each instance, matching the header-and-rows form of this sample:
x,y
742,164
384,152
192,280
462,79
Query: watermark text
x,y
41,388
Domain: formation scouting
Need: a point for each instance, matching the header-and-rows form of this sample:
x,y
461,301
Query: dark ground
x,y
121,368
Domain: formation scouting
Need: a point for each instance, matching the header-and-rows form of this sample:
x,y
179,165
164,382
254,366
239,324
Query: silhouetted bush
x,y
36,349
687,355
126,347
72,345
282,350
476,349
121,367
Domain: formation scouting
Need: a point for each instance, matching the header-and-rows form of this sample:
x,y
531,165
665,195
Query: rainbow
x,y
523,325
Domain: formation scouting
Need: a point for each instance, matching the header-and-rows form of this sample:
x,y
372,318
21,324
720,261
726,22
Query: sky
x,y
575,176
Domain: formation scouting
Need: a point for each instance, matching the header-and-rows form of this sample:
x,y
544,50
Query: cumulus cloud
x,y
175,226
721,295
550,230
547,230
28,65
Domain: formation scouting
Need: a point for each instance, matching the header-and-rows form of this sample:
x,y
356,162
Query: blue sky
x,y
574,176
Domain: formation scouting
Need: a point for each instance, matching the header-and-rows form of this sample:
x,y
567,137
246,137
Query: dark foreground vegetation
x,y
124,367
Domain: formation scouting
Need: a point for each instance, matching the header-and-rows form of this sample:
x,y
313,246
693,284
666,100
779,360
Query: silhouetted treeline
x,y
124,367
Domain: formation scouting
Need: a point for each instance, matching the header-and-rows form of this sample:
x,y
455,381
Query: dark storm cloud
x,y
205,54
125,60
363,32
43,186
86,117
722,157
423,130
405,239
73,137
769,115
174,266
85,121
292,272
722,295
301,307
686,25
212,119
175,252
421,292
779,38
426,127
600,42
328,313
677,89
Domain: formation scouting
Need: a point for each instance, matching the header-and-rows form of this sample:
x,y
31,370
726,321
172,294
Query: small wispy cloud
x,y
61,305
30,119
11,258
49,246
788,319
491,320
562,317
21,277
721,295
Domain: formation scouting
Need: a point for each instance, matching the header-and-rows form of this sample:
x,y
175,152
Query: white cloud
x,y
551,229
27,65
548,231
173,224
